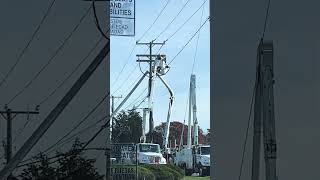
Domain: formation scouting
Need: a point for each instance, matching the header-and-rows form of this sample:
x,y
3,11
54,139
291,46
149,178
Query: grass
x,y
164,172
196,178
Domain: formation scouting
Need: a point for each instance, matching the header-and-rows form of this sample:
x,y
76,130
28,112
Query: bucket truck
x,y
194,158
150,153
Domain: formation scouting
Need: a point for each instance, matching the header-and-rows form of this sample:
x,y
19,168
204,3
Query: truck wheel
x,y
208,172
187,172
201,173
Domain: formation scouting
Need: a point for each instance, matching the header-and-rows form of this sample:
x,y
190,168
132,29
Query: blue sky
x,y
179,74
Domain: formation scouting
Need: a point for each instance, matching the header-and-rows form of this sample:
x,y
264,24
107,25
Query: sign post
x,y
122,17
123,161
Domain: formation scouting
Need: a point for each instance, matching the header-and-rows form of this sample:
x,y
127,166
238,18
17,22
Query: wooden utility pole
x,y
9,115
112,110
112,101
152,74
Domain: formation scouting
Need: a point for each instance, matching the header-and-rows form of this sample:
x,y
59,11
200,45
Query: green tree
x,y
127,127
70,165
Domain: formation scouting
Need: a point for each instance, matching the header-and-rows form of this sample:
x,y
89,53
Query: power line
x,y
52,57
61,84
82,121
164,7
20,131
115,81
181,26
195,53
71,138
266,20
189,41
172,20
143,100
253,95
71,73
44,17
247,128
97,21
134,101
76,151
129,75
185,21
83,130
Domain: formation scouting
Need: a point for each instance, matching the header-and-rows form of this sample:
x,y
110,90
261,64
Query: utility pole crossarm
x,y
9,115
146,55
152,43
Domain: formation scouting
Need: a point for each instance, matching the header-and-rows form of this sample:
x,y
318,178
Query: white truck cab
x,y
194,160
202,159
149,153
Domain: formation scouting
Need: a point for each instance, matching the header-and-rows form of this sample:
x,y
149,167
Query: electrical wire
x,y
253,94
52,57
135,100
21,130
60,85
168,25
189,41
71,73
162,10
76,151
142,101
127,78
75,135
128,59
266,20
42,21
71,138
195,53
248,125
97,21
180,27
81,122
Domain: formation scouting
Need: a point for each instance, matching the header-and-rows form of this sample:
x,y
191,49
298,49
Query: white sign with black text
x,y
122,17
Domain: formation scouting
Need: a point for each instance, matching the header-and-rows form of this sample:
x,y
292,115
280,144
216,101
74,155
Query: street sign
x,y
122,27
122,17
124,161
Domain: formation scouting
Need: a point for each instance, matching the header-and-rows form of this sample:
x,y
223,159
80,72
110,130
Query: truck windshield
x,y
149,148
205,150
